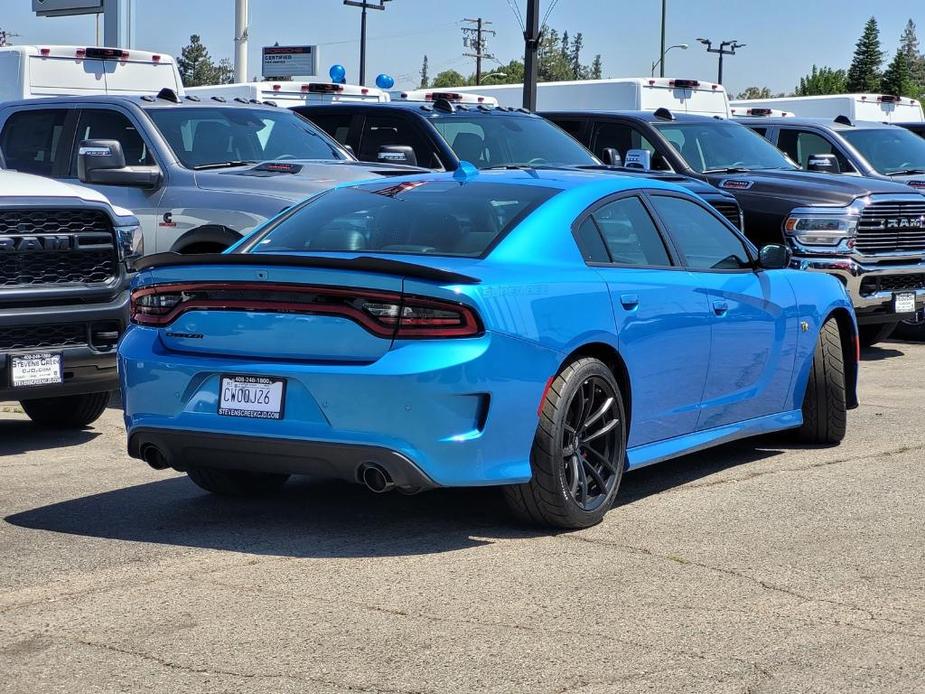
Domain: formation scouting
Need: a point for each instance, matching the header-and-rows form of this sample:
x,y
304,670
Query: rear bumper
x,y
87,368
184,449
460,412
872,286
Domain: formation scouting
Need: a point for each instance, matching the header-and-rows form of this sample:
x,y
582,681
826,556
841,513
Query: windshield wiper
x,y
223,164
905,172
727,169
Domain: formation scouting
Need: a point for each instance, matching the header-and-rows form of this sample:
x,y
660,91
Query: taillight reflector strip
x,y
389,315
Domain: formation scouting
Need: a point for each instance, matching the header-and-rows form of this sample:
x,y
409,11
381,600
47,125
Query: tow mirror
x,y
397,154
638,159
611,157
774,256
102,162
823,163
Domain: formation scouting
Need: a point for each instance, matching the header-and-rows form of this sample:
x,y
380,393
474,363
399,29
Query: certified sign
x,y
290,61
35,369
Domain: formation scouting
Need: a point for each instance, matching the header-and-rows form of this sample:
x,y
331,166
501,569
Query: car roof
x,y
647,116
425,110
829,123
145,101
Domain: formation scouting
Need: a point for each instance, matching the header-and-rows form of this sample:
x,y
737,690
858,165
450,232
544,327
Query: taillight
x,y
385,314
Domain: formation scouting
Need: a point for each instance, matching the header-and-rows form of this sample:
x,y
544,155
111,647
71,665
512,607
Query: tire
x,y
236,482
909,330
68,411
870,335
825,415
566,465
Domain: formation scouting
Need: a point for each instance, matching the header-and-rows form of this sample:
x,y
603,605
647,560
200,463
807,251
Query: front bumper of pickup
x,y
873,285
88,365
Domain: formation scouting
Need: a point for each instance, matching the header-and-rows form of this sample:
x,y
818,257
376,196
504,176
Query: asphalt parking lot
x,y
756,567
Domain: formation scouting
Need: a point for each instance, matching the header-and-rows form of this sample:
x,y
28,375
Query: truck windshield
x,y
494,140
718,145
410,217
891,151
204,137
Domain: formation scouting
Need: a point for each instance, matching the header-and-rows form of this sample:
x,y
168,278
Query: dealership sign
x,y
290,61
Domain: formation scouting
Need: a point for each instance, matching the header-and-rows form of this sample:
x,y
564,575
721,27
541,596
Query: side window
x,y
104,124
761,131
800,145
392,130
630,235
590,243
704,241
31,140
574,128
624,138
337,125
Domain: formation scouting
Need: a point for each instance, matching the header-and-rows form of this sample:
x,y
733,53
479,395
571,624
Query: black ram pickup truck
x,y
864,231
65,262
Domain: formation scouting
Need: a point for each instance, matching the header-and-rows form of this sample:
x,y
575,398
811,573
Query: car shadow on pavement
x,y
19,436
332,519
881,352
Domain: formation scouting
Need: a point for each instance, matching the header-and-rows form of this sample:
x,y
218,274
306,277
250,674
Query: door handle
x,y
629,301
720,308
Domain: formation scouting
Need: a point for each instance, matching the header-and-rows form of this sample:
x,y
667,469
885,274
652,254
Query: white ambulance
x,y
624,94
881,108
28,72
284,93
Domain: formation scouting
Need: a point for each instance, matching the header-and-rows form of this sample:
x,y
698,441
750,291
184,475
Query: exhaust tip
x,y
154,457
376,478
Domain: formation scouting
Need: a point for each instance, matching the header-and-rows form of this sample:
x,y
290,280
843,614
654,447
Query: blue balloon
x,y
338,73
384,81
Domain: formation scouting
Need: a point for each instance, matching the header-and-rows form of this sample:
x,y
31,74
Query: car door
x,y
753,314
800,144
112,124
662,319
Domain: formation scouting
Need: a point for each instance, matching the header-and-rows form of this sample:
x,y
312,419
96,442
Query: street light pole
x,y
661,72
531,46
722,51
661,60
364,5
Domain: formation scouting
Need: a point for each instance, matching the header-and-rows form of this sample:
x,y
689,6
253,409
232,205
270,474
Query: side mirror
x,y
397,154
823,163
774,256
611,157
638,159
103,163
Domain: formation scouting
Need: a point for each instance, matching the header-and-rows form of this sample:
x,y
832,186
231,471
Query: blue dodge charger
x,y
538,329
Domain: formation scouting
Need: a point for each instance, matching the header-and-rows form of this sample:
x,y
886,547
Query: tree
x,y
898,77
597,68
909,44
449,78
755,93
579,71
864,73
196,66
823,80
425,77
560,58
5,38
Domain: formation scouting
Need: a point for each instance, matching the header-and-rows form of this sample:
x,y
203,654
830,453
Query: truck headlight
x,y
131,244
822,228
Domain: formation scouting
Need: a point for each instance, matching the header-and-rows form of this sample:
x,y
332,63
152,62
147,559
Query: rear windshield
x,y
413,217
496,140
204,137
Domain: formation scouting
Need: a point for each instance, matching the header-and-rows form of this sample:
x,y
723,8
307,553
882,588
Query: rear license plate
x,y
258,397
37,369
904,303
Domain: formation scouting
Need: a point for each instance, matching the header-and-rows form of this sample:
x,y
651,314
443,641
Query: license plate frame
x,y
48,371
274,409
904,302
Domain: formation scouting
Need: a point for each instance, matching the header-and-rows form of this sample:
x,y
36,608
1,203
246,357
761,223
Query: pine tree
x,y
597,68
821,81
898,77
425,76
196,66
864,73
579,72
909,44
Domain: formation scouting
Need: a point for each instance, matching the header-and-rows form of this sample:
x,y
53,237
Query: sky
x,y
784,37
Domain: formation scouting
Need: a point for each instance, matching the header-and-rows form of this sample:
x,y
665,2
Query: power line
x,y
517,14
552,6
474,38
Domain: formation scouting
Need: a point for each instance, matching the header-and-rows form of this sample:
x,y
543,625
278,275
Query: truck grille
x,y
890,227
730,211
42,336
56,247
892,283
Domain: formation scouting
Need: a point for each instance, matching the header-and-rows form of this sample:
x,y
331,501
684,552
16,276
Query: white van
x,y
757,111
626,94
28,72
431,95
881,108
290,93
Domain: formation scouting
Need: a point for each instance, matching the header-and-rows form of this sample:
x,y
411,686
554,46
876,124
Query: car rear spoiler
x,y
383,266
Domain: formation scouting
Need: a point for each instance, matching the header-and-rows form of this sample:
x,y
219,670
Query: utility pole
x,y
478,44
240,41
722,51
532,38
661,72
365,5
